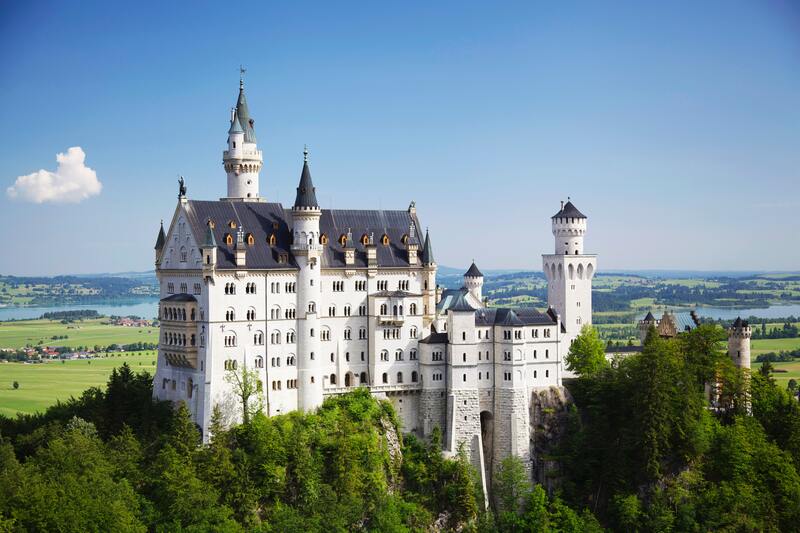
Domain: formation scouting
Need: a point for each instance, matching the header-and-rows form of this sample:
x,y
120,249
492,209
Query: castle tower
x,y
569,271
428,281
473,281
645,324
209,250
242,160
739,343
307,251
463,403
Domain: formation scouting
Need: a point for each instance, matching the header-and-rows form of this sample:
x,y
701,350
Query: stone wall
x,y
512,431
432,406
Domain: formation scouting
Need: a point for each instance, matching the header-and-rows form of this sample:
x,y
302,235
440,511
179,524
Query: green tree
x,y
15,385
511,487
248,390
586,355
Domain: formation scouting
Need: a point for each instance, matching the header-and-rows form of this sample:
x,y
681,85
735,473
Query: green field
x,y
782,378
759,346
41,385
83,333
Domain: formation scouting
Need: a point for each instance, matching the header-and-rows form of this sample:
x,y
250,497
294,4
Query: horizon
x,y
674,128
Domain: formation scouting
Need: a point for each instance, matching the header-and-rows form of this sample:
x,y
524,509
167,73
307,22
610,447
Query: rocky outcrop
x,y
395,449
549,412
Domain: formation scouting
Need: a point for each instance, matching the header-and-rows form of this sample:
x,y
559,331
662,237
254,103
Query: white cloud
x,y
72,182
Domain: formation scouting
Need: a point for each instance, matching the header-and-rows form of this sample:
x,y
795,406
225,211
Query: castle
x,y
319,301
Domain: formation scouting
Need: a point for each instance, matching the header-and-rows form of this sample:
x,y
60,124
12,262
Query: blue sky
x,y
674,126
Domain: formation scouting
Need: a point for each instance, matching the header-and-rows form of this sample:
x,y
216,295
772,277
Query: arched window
x,y
365,239
232,224
414,376
342,239
323,239
228,239
271,240
348,380
250,239
385,240
362,378
333,379
385,377
399,377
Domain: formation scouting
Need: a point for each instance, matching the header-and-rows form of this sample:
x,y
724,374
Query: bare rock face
x,y
395,449
549,412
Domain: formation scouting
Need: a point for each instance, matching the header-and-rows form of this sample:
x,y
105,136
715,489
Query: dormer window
x,y
342,239
385,240
229,239
365,239
323,239
404,239
272,240
232,224
250,239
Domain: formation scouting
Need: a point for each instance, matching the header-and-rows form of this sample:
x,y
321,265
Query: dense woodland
x,y
642,451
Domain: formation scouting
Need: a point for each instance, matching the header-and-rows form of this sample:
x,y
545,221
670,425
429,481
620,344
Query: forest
x,y
643,450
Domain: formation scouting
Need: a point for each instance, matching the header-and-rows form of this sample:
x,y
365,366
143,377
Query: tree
x,y
586,355
510,489
248,390
16,385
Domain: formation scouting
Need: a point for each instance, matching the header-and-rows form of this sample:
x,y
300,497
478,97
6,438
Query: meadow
x,y
89,333
42,384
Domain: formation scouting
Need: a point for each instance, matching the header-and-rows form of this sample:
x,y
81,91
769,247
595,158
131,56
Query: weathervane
x,y
242,70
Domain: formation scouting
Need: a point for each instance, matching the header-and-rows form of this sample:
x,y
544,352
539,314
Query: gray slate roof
x,y
180,297
306,193
243,114
569,211
162,238
427,250
521,316
473,271
262,219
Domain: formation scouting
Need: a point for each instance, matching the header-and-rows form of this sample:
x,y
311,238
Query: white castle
x,y
319,301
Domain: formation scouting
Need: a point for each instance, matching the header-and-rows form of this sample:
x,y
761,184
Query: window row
x,y
178,339
176,313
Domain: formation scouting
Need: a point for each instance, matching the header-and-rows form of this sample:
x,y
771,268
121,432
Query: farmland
x,y
42,384
94,332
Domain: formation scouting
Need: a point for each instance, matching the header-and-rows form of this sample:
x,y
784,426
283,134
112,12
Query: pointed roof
x,y
161,239
306,192
507,317
460,303
649,317
244,116
473,272
210,241
427,250
236,126
568,210
739,323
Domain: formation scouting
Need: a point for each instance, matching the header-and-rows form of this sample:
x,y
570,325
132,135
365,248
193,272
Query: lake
x,y
145,308
729,313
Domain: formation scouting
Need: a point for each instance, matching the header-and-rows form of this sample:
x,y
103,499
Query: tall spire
x,y
427,250
306,192
161,239
243,113
210,241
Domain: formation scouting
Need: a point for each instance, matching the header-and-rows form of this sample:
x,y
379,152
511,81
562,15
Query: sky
x,y
674,126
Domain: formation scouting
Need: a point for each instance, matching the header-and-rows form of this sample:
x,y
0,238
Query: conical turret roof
x,y
427,250
236,126
473,272
568,210
162,238
306,192
243,114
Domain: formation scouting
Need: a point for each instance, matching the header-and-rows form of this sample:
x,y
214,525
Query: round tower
x,y
307,252
569,227
739,343
473,282
645,324
242,160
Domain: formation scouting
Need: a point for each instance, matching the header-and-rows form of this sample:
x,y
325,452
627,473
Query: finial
x,y
305,153
181,187
242,70
569,199
562,205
